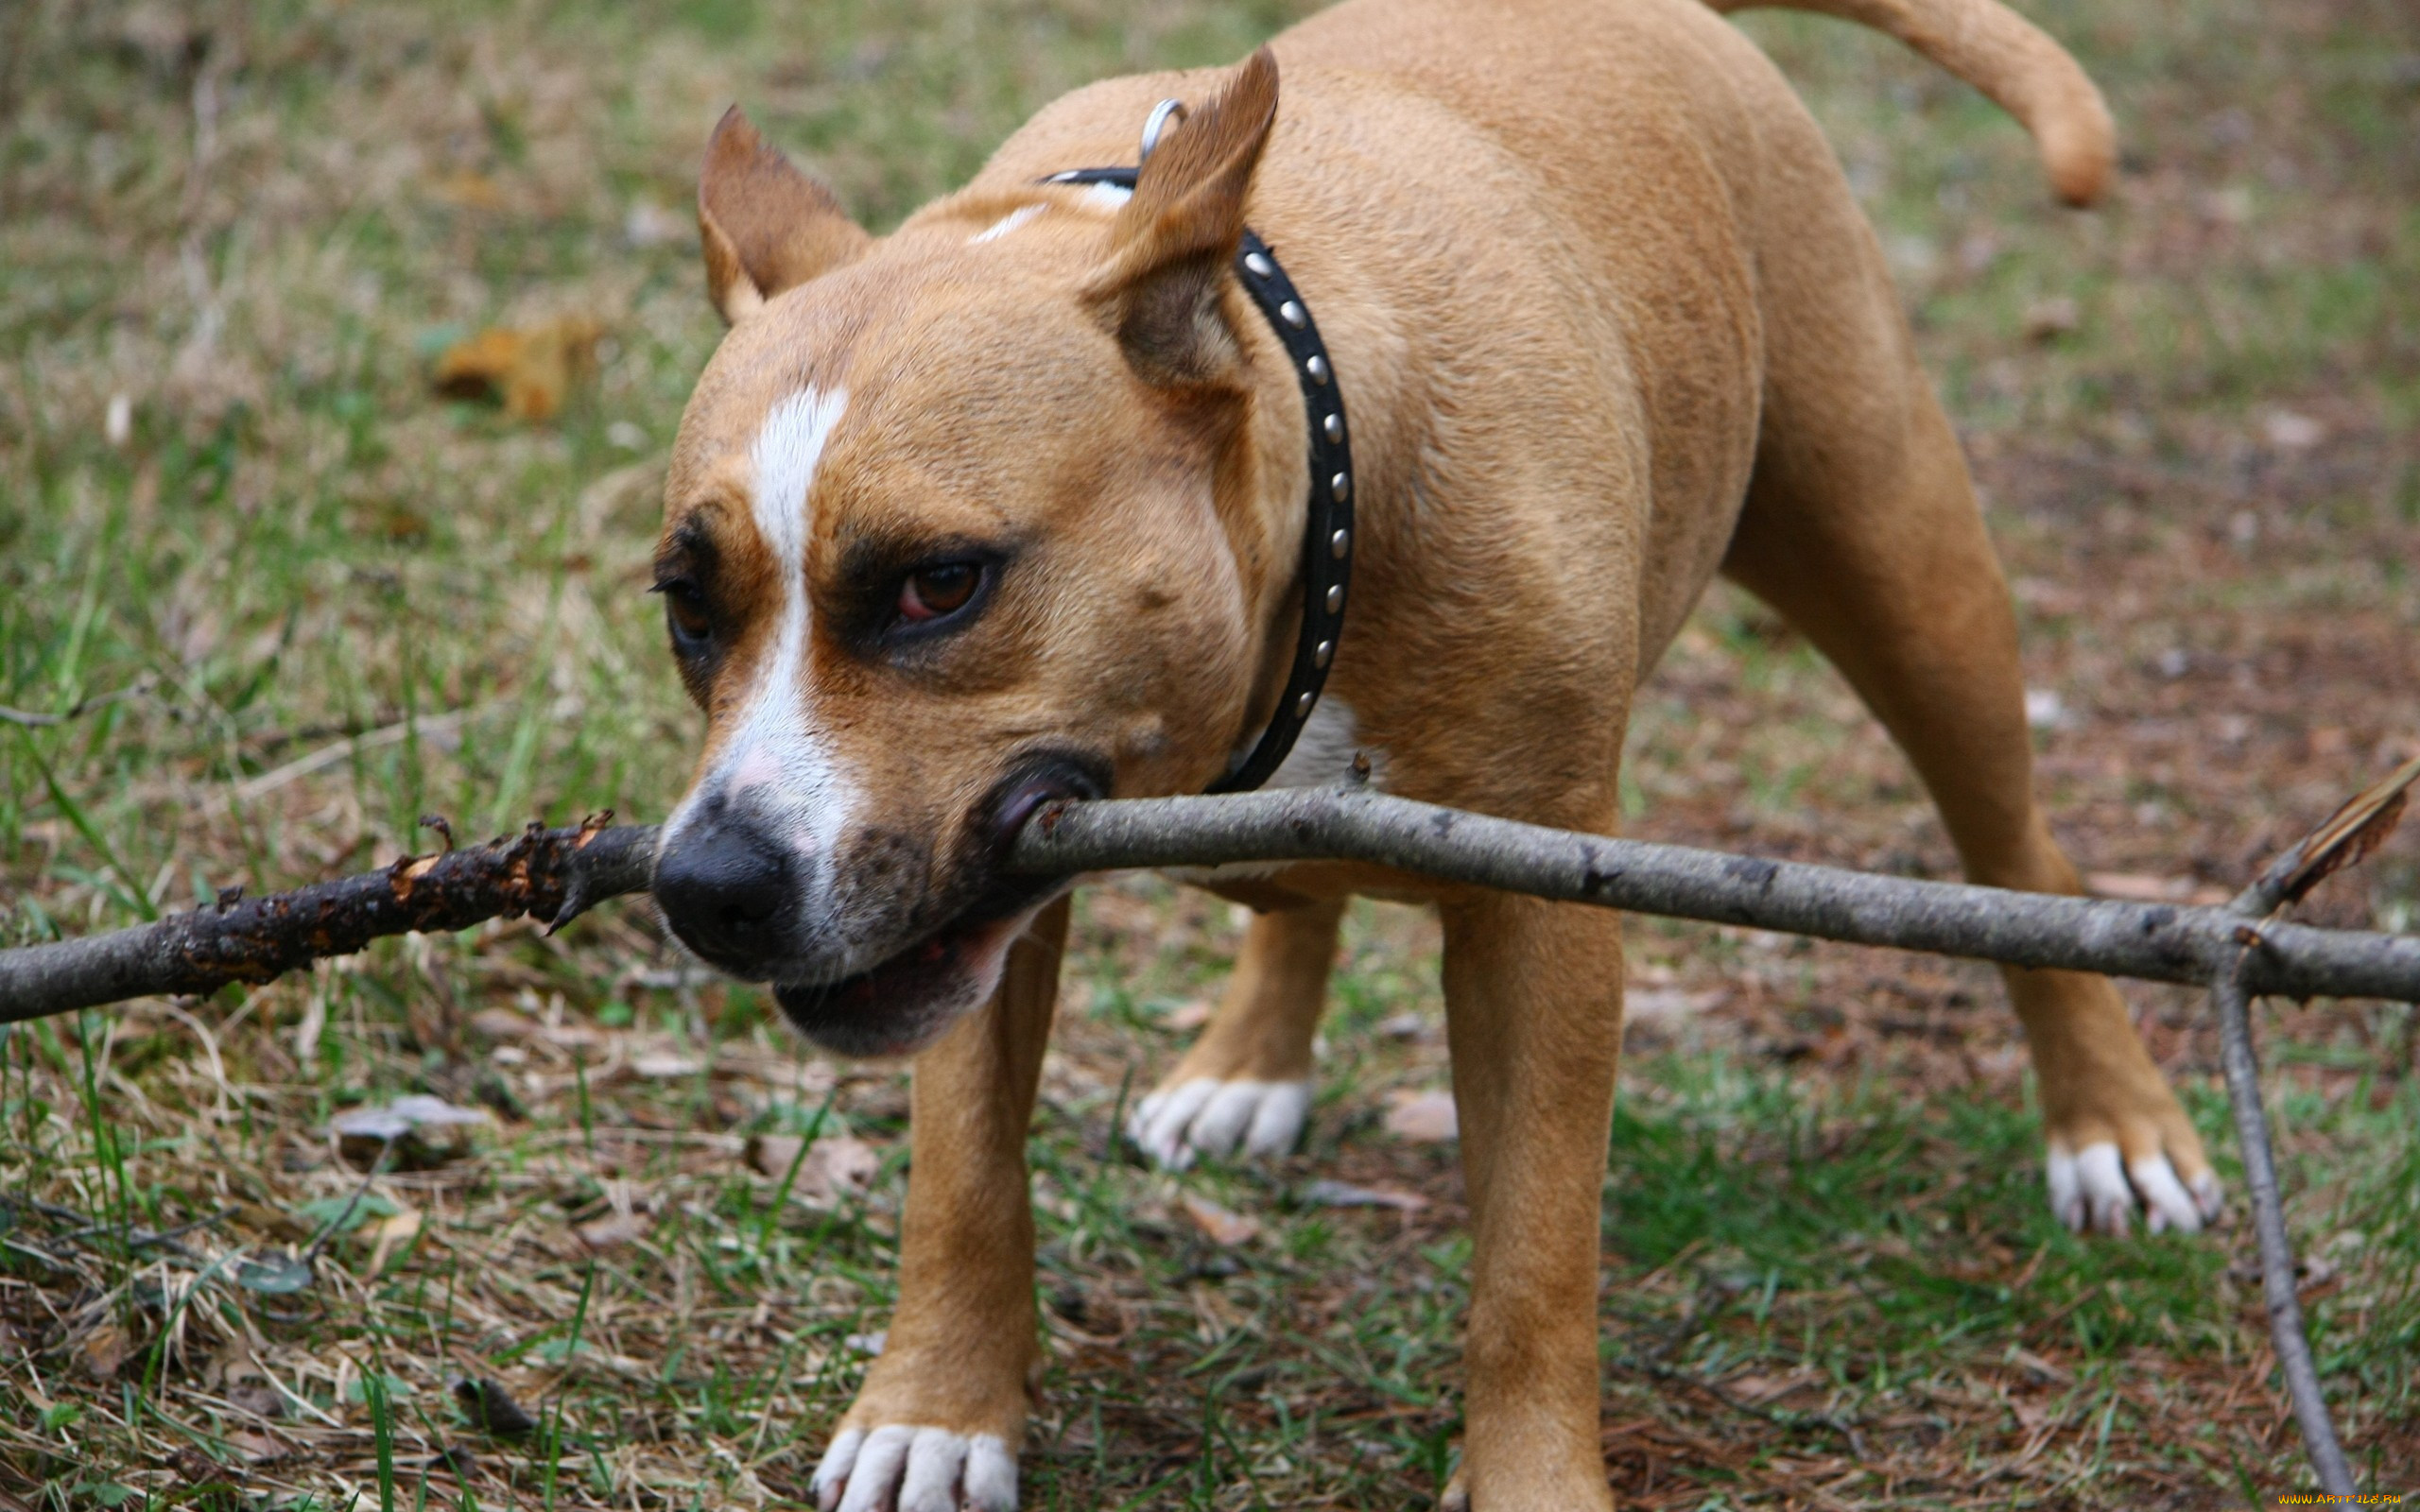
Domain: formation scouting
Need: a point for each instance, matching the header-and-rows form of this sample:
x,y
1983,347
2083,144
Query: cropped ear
x,y
1174,238
764,226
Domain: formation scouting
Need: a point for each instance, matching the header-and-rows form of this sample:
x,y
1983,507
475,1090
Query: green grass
x,y
1830,1280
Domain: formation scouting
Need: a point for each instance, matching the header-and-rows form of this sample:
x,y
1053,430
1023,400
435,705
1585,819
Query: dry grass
x,y
1830,1281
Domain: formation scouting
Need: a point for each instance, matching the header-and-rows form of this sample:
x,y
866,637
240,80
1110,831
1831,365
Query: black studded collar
x,y
1327,523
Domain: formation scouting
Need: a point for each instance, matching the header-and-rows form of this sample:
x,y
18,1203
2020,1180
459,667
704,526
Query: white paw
x,y
2096,1190
916,1469
1205,1116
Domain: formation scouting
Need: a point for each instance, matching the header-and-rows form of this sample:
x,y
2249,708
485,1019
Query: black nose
x,y
723,890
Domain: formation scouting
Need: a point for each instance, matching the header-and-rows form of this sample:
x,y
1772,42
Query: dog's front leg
x,y
1534,1017
940,1416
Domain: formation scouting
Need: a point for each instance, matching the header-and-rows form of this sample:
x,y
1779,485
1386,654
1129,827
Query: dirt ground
x,y
266,599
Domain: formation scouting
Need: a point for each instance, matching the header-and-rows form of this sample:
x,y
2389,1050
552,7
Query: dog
x,y
1010,507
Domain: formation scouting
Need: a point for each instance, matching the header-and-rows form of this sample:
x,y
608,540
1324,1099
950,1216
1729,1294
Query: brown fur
x,y
1608,321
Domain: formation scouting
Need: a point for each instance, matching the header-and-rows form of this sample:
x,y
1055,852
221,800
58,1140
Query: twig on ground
x,y
32,720
2286,1333
2348,835
427,727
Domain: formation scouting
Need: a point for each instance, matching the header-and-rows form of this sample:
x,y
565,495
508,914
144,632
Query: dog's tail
x,y
2008,59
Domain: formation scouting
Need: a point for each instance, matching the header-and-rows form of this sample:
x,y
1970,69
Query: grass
x,y
1829,1278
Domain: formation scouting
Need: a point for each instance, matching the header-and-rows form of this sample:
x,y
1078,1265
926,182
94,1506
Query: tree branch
x,y
557,874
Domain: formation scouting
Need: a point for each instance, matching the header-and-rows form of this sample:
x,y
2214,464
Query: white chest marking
x,y
1005,224
1323,751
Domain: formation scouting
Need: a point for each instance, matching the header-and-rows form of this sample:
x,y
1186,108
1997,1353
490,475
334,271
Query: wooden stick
x,y
556,874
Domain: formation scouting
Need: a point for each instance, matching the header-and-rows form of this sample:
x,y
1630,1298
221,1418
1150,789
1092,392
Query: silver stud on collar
x,y
1302,705
1323,654
1261,266
1292,312
1317,367
1334,426
1335,598
1339,543
1341,487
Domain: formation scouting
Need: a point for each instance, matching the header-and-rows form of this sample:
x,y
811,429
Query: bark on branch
x,y
556,874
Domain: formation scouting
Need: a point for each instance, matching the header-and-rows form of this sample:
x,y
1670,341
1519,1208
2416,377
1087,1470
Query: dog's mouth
x,y
903,1003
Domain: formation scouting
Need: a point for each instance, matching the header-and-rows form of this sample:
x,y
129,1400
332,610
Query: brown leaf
x,y
834,1168
101,1352
2355,830
256,1448
487,1405
1186,1016
388,1233
467,190
2048,319
531,368
1217,1224
260,1400
611,1229
1423,1118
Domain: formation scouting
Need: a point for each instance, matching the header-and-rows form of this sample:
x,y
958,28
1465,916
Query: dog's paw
x,y
1180,1124
916,1469
2094,1189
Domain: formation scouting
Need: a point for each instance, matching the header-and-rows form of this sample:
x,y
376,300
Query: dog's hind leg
x,y
939,1421
1247,1080
1861,528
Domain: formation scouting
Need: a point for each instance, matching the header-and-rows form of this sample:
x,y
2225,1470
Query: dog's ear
x,y
1174,240
766,227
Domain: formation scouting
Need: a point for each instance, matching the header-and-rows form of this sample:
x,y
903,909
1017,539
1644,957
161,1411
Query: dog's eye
x,y
686,615
942,589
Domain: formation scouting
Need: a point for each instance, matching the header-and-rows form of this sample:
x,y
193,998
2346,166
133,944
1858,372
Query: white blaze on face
x,y
776,762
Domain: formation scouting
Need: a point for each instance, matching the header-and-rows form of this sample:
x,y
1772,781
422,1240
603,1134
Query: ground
x,y
282,599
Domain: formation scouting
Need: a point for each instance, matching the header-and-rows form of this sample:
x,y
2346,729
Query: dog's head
x,y
958,521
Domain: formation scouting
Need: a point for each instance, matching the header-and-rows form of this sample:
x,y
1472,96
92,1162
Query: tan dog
x,y
1009,504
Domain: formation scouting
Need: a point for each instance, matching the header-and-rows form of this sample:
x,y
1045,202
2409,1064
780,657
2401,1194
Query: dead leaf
x,y
503,1023
664,1065
1423,1118
531,368
611,1229
1664,1004
257,1448
2047,320
467,190
2290,432
1753,1388
389,1233
100,1353
834,1168
1220,1226
487,1403
420,1129
1326,1193
1186,1016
